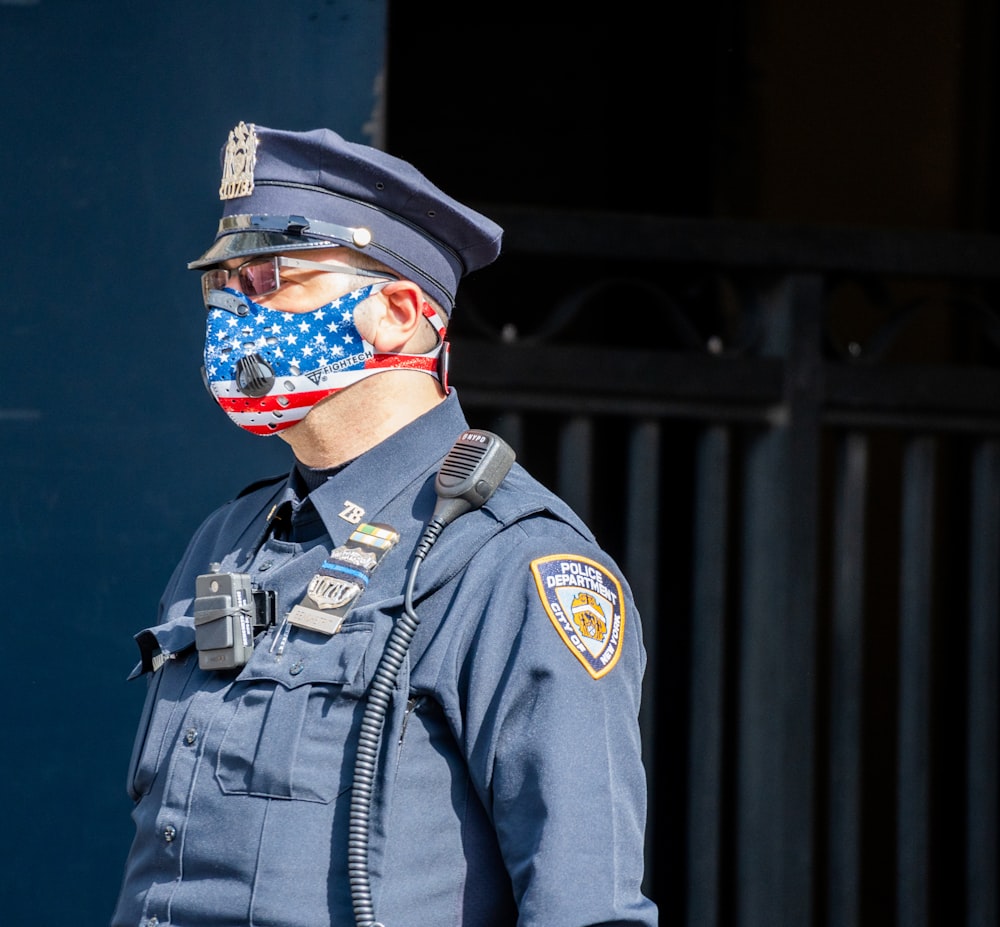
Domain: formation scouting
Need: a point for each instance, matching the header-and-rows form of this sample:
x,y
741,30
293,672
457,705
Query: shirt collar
x,y
375,478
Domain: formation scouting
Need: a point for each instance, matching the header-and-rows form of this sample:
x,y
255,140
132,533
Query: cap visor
x,y
248,243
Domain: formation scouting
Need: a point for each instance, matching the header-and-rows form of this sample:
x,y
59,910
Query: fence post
x,y
777,671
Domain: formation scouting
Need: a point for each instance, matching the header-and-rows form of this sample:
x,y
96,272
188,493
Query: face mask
x,y
267,368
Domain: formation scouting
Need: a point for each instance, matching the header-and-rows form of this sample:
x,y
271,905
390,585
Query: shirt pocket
x,y
292,729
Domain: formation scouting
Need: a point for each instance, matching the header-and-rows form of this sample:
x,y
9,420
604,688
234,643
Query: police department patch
x,y
585,603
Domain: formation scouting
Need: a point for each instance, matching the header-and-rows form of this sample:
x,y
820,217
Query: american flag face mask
x,y
267,368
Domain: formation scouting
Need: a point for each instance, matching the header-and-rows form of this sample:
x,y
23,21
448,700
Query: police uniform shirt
x,y
509,785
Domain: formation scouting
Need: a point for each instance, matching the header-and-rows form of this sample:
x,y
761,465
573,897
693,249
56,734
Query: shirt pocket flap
x,y
310,658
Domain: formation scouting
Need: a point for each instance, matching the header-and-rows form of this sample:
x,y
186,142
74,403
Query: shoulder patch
x,y
585,604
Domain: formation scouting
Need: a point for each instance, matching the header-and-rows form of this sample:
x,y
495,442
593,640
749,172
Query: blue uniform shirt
x,y
509,785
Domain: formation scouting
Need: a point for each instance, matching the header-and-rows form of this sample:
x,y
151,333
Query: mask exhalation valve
x,y
254,376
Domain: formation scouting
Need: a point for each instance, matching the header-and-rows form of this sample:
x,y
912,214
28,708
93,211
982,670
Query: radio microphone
x,y
470,474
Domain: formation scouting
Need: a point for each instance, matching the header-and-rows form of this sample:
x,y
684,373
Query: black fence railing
x,y
790,439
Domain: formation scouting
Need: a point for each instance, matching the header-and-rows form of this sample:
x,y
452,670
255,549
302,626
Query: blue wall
x,y
113,114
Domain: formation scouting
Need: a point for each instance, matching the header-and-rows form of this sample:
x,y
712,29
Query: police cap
x,y
286,191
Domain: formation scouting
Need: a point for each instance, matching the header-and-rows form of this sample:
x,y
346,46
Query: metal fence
x,y
790,440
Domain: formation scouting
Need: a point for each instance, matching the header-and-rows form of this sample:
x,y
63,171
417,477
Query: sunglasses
x,y
262,276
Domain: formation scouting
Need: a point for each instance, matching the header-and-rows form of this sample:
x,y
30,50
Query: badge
x,y
341,579
239,162
585,604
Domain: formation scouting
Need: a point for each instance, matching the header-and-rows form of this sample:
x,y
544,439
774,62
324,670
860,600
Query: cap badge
x,y
237,168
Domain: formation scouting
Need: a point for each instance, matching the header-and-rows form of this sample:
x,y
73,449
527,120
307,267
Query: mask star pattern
x,y
291,343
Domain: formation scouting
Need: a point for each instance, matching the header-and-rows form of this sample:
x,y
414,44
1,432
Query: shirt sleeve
x,y
550,686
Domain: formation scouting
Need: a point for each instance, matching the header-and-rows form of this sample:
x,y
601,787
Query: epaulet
x,y
260,484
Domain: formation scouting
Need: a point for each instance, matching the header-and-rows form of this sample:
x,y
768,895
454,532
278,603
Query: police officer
x,y
499,780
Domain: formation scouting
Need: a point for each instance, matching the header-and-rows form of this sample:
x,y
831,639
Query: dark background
x,y
871,115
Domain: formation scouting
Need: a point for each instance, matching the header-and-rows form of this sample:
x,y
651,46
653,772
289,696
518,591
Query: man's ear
x,y
402,317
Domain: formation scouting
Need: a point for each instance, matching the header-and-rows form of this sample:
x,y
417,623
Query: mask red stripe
x,y
402,362
270,403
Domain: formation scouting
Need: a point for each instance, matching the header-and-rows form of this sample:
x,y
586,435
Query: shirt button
x,y
266,565
190,736
296,668
169,832
152,922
